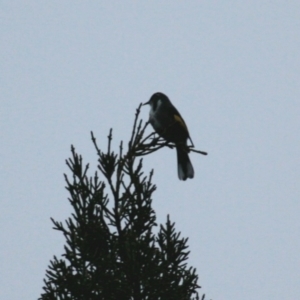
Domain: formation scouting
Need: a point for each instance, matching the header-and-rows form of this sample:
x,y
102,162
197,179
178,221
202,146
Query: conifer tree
x,y
111,250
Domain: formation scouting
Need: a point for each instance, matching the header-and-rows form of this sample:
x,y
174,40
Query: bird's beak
x,y
146,103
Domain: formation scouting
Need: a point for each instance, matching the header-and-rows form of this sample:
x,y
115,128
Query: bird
x,y
168,123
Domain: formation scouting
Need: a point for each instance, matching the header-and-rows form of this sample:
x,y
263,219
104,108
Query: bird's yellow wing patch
x,y
179,119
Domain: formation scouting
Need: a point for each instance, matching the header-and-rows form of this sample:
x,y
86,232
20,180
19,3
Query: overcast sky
x,y
232,68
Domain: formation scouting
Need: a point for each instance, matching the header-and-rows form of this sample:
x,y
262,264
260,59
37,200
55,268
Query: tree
x,y
111,251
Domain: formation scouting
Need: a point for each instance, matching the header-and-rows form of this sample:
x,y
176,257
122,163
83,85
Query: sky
x,y
232,69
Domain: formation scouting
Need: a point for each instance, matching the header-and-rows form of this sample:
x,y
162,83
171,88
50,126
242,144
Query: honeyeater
x,y
168,123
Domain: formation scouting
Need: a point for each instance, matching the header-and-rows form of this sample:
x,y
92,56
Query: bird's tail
x,y
185,168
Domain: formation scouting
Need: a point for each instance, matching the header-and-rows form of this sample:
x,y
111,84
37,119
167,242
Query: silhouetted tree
x,y
111,251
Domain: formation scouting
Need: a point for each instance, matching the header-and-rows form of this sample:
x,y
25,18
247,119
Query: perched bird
x,y
168,123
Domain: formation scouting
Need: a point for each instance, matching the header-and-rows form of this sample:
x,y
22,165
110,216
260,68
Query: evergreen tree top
x,y
111,251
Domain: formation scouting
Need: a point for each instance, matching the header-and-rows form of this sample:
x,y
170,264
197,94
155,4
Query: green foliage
x,y
111,251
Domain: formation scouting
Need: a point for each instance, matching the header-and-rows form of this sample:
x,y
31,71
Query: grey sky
x,y
232,68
